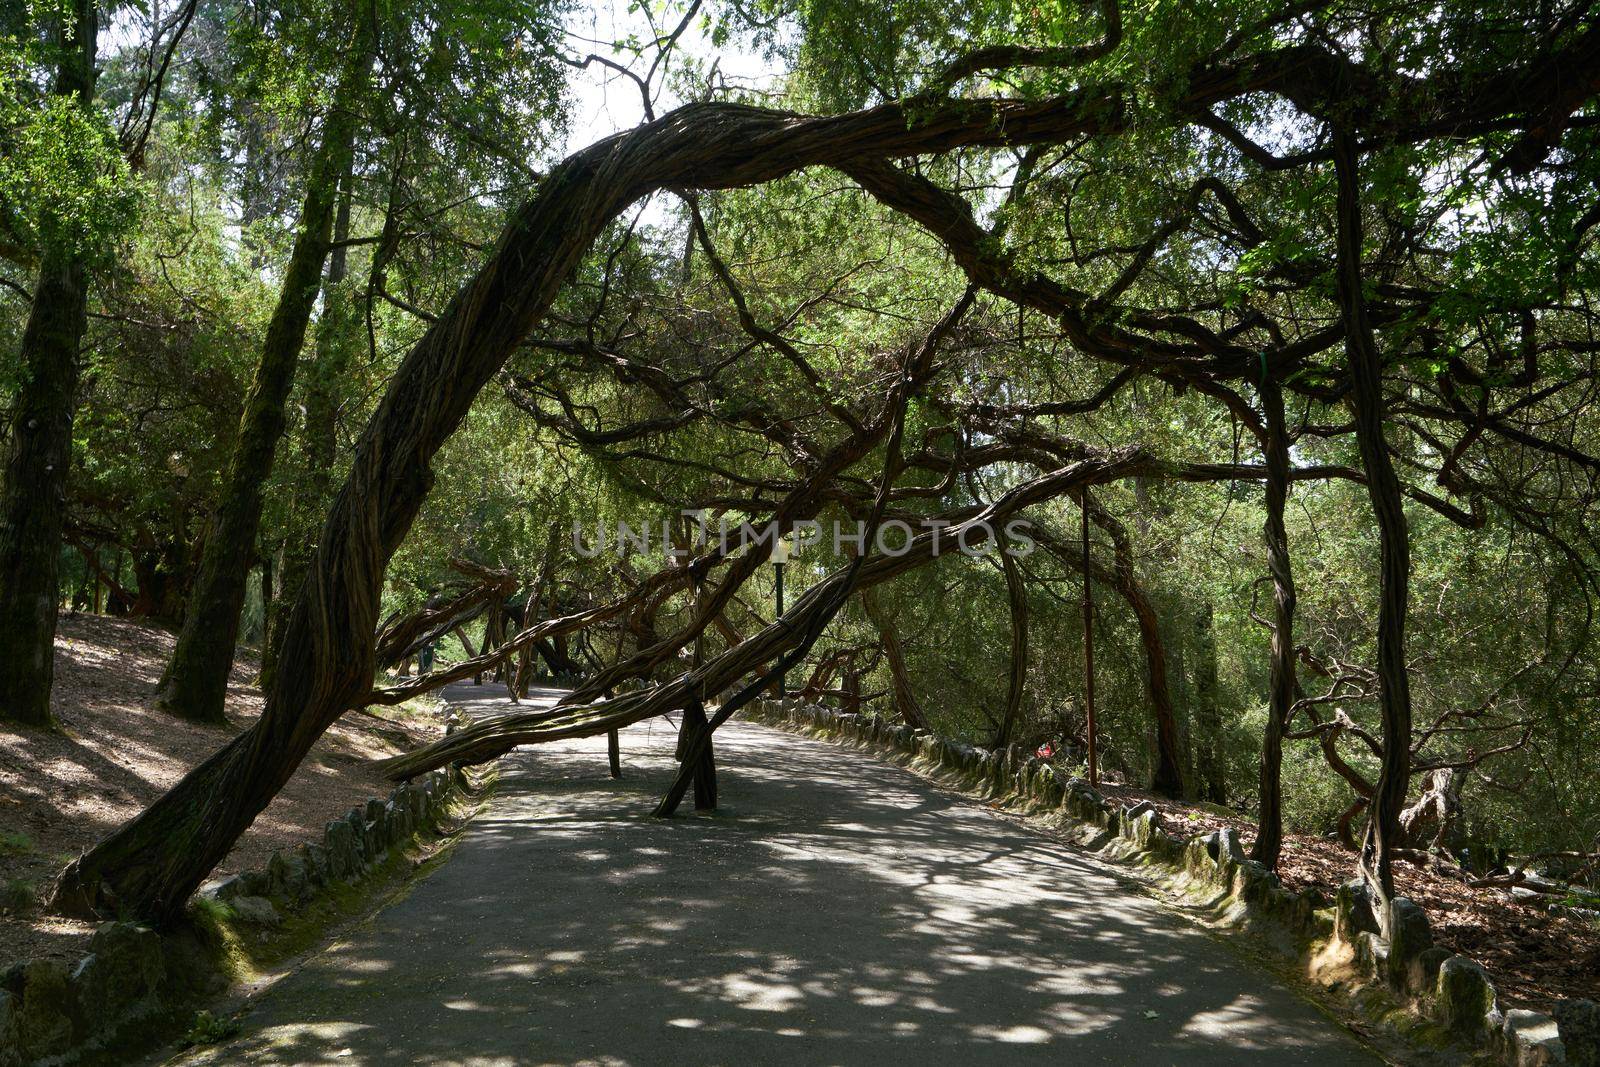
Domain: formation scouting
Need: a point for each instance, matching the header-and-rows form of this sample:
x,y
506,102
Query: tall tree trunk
x,y
1269,839
1167,778
148,867
1168,773
1213,782
195,684
320,434
530,611
1016,683
33,498
905,697
1383,488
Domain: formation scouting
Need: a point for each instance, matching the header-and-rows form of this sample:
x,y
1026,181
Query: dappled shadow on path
x,y
837,910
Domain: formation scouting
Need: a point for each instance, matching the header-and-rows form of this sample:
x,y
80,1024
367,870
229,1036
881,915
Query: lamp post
x,y
780,556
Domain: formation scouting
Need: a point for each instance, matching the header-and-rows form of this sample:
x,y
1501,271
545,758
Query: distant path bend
x,y
838,910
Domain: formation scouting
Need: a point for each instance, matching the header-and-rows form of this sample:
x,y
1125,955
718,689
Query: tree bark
x,y
905,697
195,684
1125,580
1207,714
1269,839
149,867
320,433
1383,488
33,498
1017,680
691,747
1167,777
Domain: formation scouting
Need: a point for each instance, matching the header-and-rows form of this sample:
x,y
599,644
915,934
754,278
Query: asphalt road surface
x,y
836,910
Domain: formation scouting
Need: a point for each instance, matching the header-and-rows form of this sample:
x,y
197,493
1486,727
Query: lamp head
x,y
780,551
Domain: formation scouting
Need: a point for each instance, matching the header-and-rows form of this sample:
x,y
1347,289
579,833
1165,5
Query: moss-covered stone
x,y
45,1009
122,973
1352,912
1530,1039
1409,936
1579,1024
1464,997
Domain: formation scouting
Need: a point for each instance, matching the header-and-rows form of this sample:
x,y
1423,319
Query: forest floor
x,y
115,753
1534,958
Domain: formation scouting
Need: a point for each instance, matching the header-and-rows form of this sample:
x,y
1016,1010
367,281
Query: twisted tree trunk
x,y
1167,777
33,496
1383,489
195,684
150,866
905,697
1269,840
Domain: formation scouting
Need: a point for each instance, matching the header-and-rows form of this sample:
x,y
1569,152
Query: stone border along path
x,y
837,910
135,984
1418,992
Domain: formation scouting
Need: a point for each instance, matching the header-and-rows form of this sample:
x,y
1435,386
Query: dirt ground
x,y
60,792
1534,958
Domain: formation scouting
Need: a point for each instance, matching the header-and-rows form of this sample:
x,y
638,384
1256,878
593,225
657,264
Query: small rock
x,y
254,884
315,859
1530,1039
1422,972
398,819
226,889
297,877
1352,911
1139,809
1225,847
358,826
343,855
257,911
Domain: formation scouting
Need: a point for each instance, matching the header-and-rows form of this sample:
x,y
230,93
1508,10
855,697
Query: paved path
x,y
837,911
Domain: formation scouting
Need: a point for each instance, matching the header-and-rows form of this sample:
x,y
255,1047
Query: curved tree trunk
x,y
195,684
905,697
33,496
1269,839
1124,579
1383,488
1167,778
150,866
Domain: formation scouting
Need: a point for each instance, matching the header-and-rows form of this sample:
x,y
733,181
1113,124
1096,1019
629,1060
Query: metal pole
x,y
783,681
1088,646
